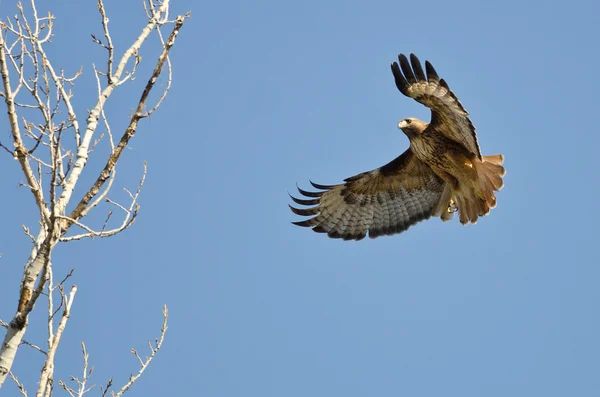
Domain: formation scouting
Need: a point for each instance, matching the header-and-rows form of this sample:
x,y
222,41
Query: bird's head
x,y
412,127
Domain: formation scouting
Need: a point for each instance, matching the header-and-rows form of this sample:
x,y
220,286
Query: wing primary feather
x,y
322,187
431,73
401,82
444,84
334,234
304,202
305,223
374,233
305,211
416,65
319,229
309,194
408,73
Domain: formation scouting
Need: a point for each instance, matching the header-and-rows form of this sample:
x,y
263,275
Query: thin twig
x,y
25,342
19,384
144,363
109,45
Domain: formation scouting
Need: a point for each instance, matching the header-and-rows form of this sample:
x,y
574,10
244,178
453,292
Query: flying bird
x,y
442,172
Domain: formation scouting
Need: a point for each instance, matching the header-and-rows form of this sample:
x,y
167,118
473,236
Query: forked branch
x,y
83,207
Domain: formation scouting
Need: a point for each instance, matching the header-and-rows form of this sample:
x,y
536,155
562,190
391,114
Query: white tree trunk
x,y
18,325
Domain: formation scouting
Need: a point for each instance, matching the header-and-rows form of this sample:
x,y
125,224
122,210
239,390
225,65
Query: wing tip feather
x,y
417,68
406,69
305,211
432,75
322,187
303,201
399,79
306,193
304,223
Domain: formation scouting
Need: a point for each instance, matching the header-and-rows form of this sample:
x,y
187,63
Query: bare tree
x,y
52,144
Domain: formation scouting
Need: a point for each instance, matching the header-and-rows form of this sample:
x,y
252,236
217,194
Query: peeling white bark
x,y
18,326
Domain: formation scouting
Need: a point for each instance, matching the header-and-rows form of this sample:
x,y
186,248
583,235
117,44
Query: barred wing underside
x,y
384,201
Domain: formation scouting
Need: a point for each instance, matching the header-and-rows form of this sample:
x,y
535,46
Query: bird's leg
x,y
453,182
452,208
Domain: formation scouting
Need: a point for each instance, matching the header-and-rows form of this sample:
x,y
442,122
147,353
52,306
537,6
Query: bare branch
x,y
37,261
81,225
109,45
169,80
144,363
86,372
20,151
24,342
82,208
50,323
81,383
130,216
46,377
69,275
40,287
92,122
28,233
56,158
19,384
59,84
105,389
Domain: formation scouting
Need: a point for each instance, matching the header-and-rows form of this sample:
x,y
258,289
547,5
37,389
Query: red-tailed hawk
x,y
442,171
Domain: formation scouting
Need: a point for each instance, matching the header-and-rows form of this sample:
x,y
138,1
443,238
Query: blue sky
x,y
270,93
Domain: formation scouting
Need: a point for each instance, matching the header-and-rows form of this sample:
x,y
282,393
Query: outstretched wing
x,y
384,201
448,116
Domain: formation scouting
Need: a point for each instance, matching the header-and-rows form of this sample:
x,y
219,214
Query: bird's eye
x,y
408,121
